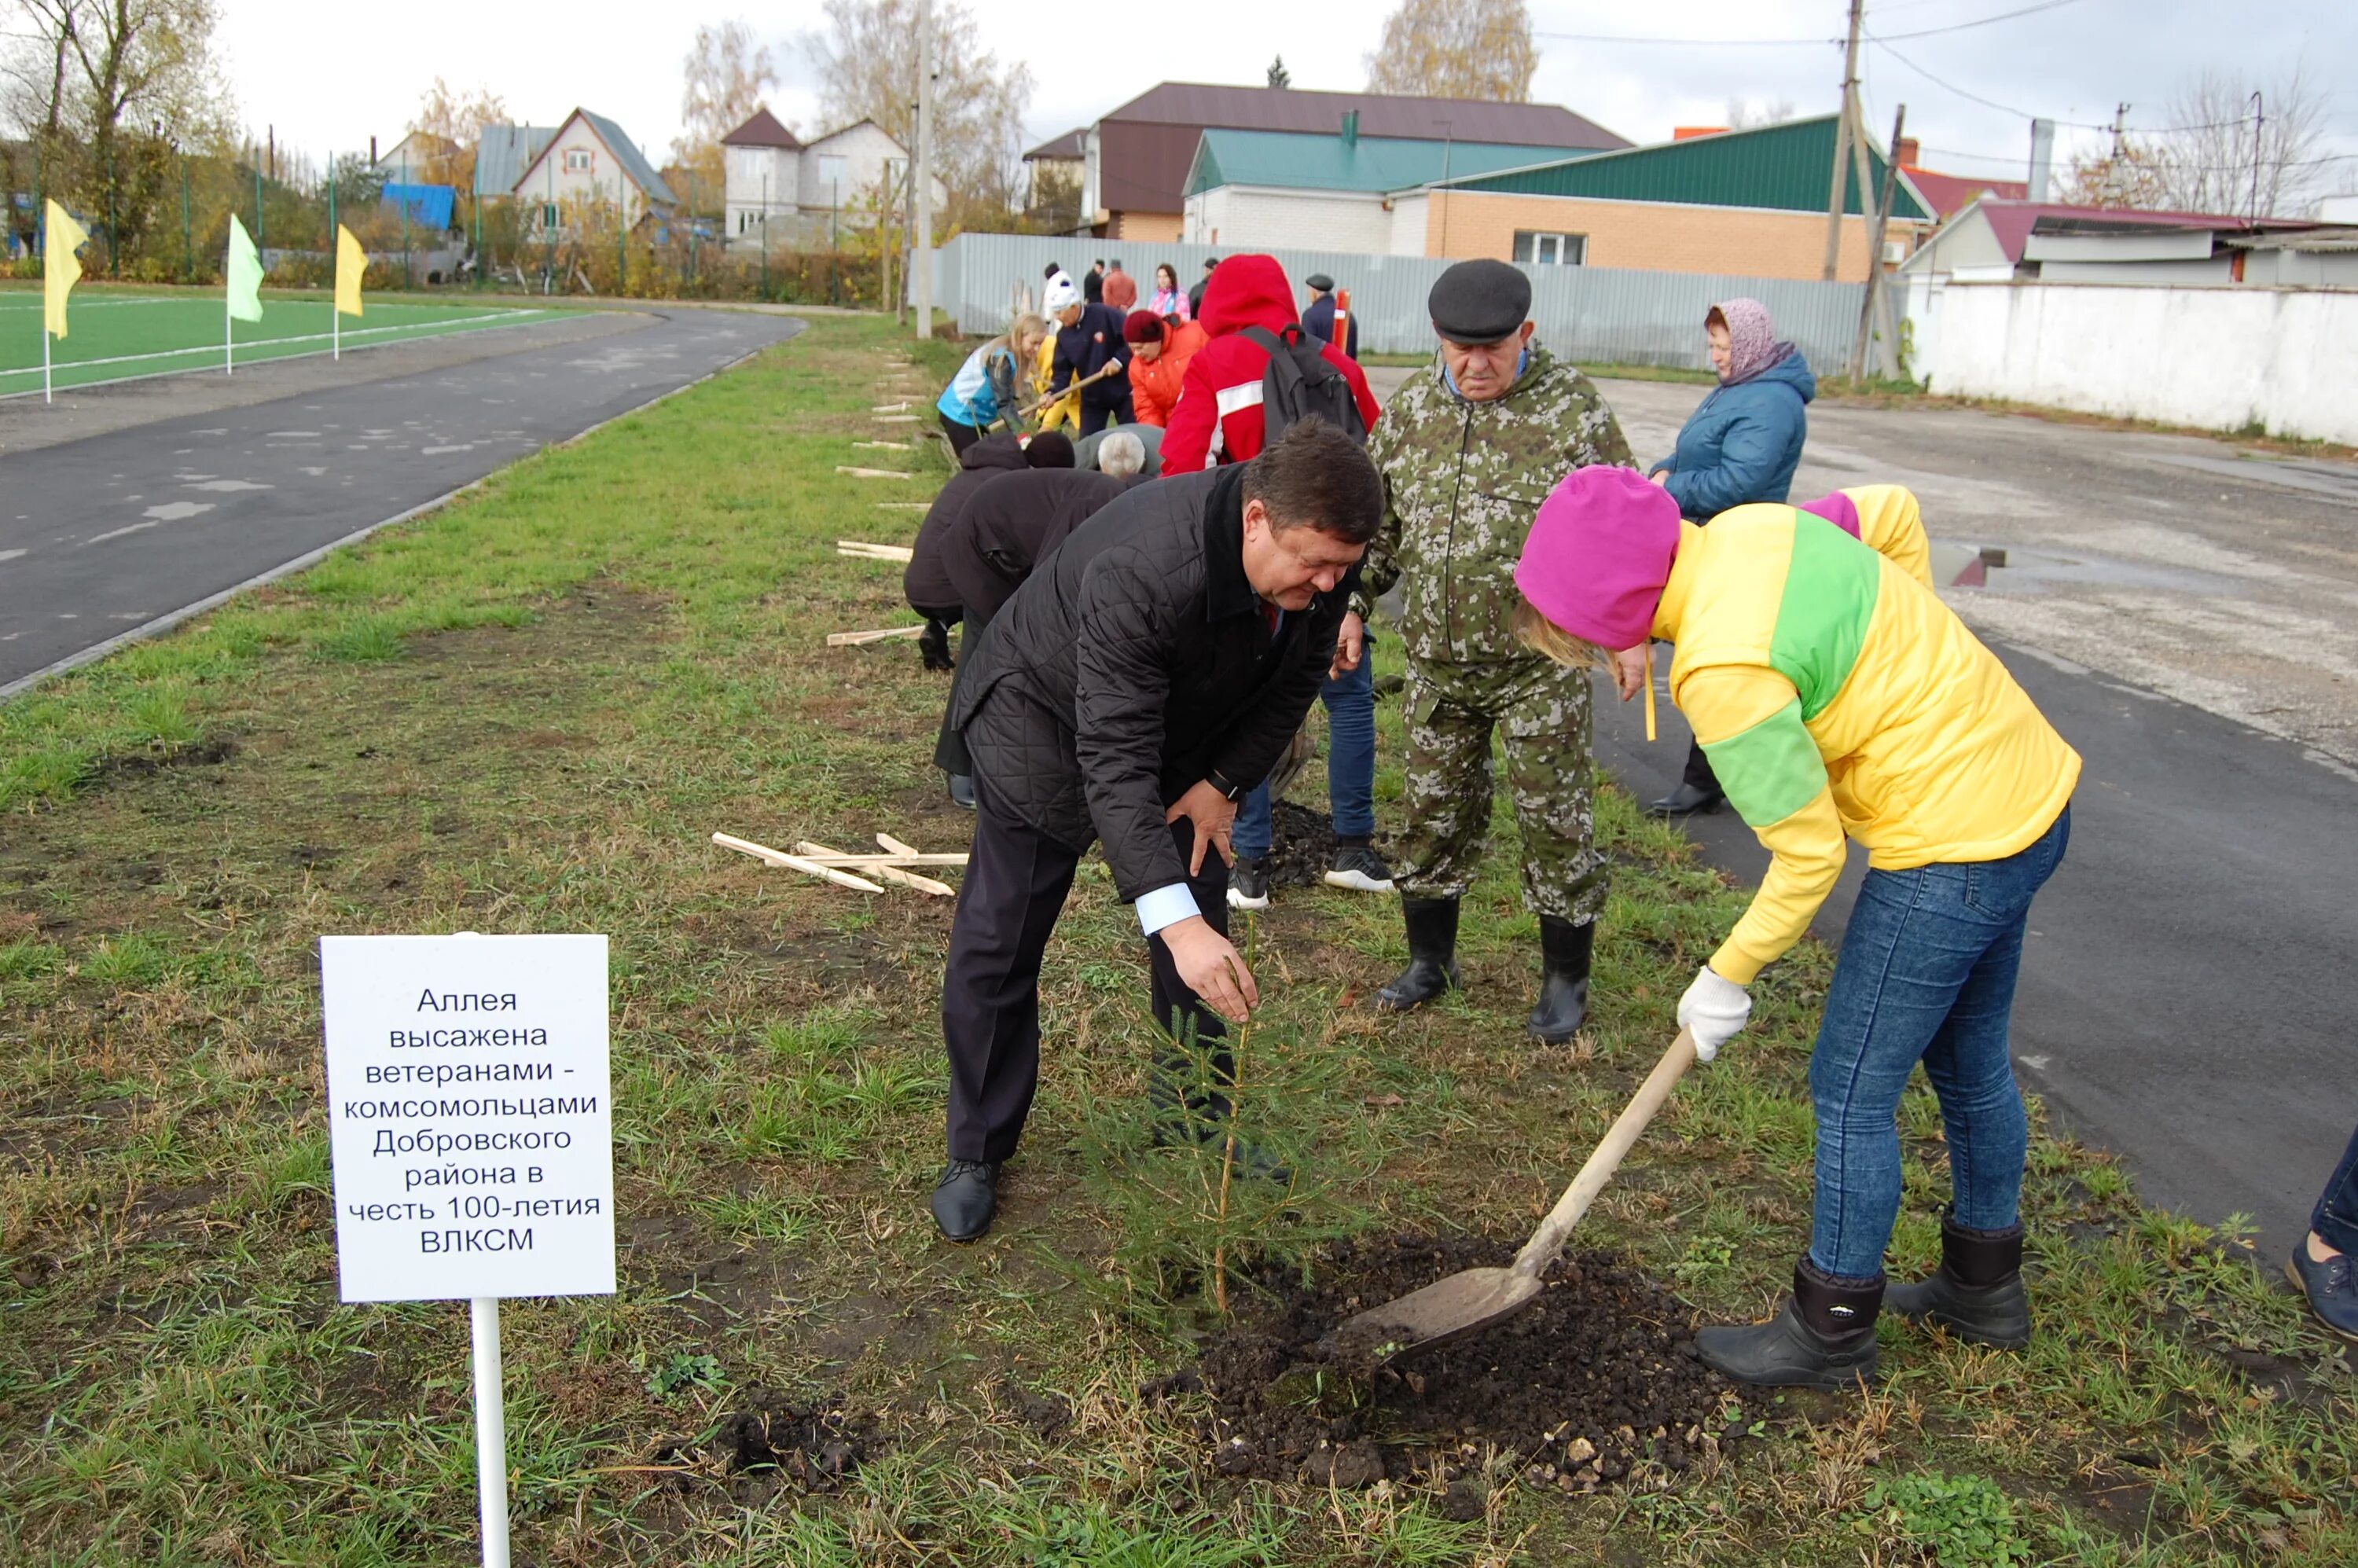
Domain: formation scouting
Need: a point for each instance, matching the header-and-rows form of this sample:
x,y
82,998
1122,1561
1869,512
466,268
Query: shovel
x,y
1473,1300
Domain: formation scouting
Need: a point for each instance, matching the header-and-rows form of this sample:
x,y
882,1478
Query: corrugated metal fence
x,y
1597,315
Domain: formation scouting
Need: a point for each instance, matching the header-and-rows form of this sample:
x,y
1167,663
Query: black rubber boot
x,y
1824,1339
1564,979
1687,800
1432,956
1976,1293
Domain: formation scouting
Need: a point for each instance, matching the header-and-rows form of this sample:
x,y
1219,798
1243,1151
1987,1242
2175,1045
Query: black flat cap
x,y
1320,282
1479,301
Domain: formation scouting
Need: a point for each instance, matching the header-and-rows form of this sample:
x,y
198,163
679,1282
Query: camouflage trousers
x,y
1541,711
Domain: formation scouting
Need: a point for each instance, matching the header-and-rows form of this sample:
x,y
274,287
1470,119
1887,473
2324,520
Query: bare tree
x,y
2131,174
725,76
867,62
1744,115
2243,145
34,81
1456,49
456,121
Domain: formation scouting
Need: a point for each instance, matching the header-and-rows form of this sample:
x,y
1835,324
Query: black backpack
x,y
1301,383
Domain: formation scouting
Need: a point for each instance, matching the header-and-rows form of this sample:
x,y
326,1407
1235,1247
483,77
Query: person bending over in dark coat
x,y
925,583
1007,528
1146,676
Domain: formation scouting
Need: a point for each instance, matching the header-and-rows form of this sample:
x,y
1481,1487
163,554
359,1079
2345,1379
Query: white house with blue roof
x,y
589,158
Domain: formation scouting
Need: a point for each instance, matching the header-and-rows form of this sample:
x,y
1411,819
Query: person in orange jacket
x,y
1158,353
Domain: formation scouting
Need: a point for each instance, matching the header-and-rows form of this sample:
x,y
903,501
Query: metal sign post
x,y
470,1125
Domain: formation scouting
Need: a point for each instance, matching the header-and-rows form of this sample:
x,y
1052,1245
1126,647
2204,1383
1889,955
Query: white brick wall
x,y
1259,218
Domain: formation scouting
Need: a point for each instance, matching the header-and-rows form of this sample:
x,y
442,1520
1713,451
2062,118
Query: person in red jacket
x,y
1158,355
1219,418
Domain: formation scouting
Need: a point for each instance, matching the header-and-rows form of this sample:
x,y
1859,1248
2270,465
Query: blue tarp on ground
x,y
429,205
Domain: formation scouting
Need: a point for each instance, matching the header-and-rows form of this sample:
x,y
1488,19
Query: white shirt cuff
x,y
1166,906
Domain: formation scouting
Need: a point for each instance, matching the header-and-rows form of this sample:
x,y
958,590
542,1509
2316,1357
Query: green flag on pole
x,y
244,274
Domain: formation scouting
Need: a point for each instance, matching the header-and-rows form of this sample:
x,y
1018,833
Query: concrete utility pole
x,y
921,279
1842,123
1874,312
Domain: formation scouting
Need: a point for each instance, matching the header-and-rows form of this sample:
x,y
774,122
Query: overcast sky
x,y
328,80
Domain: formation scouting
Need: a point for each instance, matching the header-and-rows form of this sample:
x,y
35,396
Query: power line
x,y
1783,43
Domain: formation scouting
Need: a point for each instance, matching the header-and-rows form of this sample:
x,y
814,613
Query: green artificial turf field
x,y
120,335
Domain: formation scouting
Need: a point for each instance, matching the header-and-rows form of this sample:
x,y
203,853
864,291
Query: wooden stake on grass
x,y
926,885
866,551
872,473
795,863
862,638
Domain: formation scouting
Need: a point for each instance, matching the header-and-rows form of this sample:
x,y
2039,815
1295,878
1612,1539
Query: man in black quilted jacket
x,y
1144,678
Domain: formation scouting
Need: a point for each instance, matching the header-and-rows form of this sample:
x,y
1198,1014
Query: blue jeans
x,y
1350,700
1927,973
2335,1219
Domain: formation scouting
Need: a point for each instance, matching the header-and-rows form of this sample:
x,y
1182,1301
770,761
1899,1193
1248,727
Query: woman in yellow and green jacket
x,y
1837,697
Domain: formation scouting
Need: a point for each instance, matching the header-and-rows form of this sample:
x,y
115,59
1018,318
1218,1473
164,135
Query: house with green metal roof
x,y
1751,202
1329,192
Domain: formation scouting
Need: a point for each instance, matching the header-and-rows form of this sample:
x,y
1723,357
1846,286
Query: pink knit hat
x,y
1598,555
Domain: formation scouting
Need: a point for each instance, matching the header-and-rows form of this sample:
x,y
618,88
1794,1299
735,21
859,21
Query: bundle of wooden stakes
x,y
852,871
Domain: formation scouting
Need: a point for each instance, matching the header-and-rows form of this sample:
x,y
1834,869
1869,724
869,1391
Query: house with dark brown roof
x,y
1136,160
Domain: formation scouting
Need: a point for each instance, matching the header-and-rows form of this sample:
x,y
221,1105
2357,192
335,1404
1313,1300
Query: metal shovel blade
x,y
1448,1309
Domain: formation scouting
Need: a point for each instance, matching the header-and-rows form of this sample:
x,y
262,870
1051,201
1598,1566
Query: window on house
x,y
577,160
1533,248
834,173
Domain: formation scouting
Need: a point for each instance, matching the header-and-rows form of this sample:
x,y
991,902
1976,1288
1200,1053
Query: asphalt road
x,y
2182,610
123,531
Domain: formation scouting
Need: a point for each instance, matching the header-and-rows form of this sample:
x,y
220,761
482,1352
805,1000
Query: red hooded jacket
x,y
1218,416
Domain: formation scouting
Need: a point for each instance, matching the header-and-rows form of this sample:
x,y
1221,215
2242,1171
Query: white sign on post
x,y
469,1122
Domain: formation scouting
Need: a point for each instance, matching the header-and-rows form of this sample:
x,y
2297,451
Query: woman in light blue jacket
x,y
1741,445
983,391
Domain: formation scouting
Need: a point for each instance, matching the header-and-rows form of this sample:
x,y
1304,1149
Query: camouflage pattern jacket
x,y
1462,483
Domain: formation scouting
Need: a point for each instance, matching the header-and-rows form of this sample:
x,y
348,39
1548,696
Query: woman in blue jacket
x,y
1742,445
983,391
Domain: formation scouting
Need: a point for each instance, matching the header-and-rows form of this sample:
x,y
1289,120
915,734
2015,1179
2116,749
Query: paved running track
x,y
123,532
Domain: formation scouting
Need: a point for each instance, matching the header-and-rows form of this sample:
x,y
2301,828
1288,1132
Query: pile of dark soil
x,y
1593,1385
1301,845
772,1441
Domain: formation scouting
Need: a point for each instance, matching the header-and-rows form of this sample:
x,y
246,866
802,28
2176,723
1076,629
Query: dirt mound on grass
x,y
1301,845
1595,1384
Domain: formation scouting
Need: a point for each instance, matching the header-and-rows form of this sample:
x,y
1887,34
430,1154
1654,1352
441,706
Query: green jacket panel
x,y
1463,481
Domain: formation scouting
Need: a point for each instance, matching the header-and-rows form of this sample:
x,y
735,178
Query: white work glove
x,y
1713,1011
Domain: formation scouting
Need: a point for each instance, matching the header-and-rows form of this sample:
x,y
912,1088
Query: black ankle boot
x,y
1976,1293
934,644
1564,979
1432,956
1824,1339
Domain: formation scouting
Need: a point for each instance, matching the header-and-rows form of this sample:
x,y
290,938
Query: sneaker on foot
x,y
1360,869
1249,883
2331,1288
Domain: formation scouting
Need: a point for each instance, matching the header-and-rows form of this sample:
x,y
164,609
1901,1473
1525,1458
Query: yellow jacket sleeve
x,y
1892,525
1749,720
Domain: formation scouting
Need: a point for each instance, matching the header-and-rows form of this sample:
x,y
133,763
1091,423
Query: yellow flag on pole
x,y
60,268
350,262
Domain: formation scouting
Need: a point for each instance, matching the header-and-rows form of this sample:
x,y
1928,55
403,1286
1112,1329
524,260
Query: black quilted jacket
x,y
1134,663
1013,523
924,580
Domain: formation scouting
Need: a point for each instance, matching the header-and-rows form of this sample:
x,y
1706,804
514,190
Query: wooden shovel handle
x,y
1556,1228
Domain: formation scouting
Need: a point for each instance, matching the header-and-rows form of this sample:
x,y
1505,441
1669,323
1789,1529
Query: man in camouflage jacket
x,y
1468,448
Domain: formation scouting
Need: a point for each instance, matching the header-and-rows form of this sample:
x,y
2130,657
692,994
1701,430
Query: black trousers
x,y
1698,774
1099,411
949,746
1016,881
961,434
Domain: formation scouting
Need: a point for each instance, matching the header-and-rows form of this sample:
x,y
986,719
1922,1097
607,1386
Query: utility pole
x,y
1842,123
922,253
1888,361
